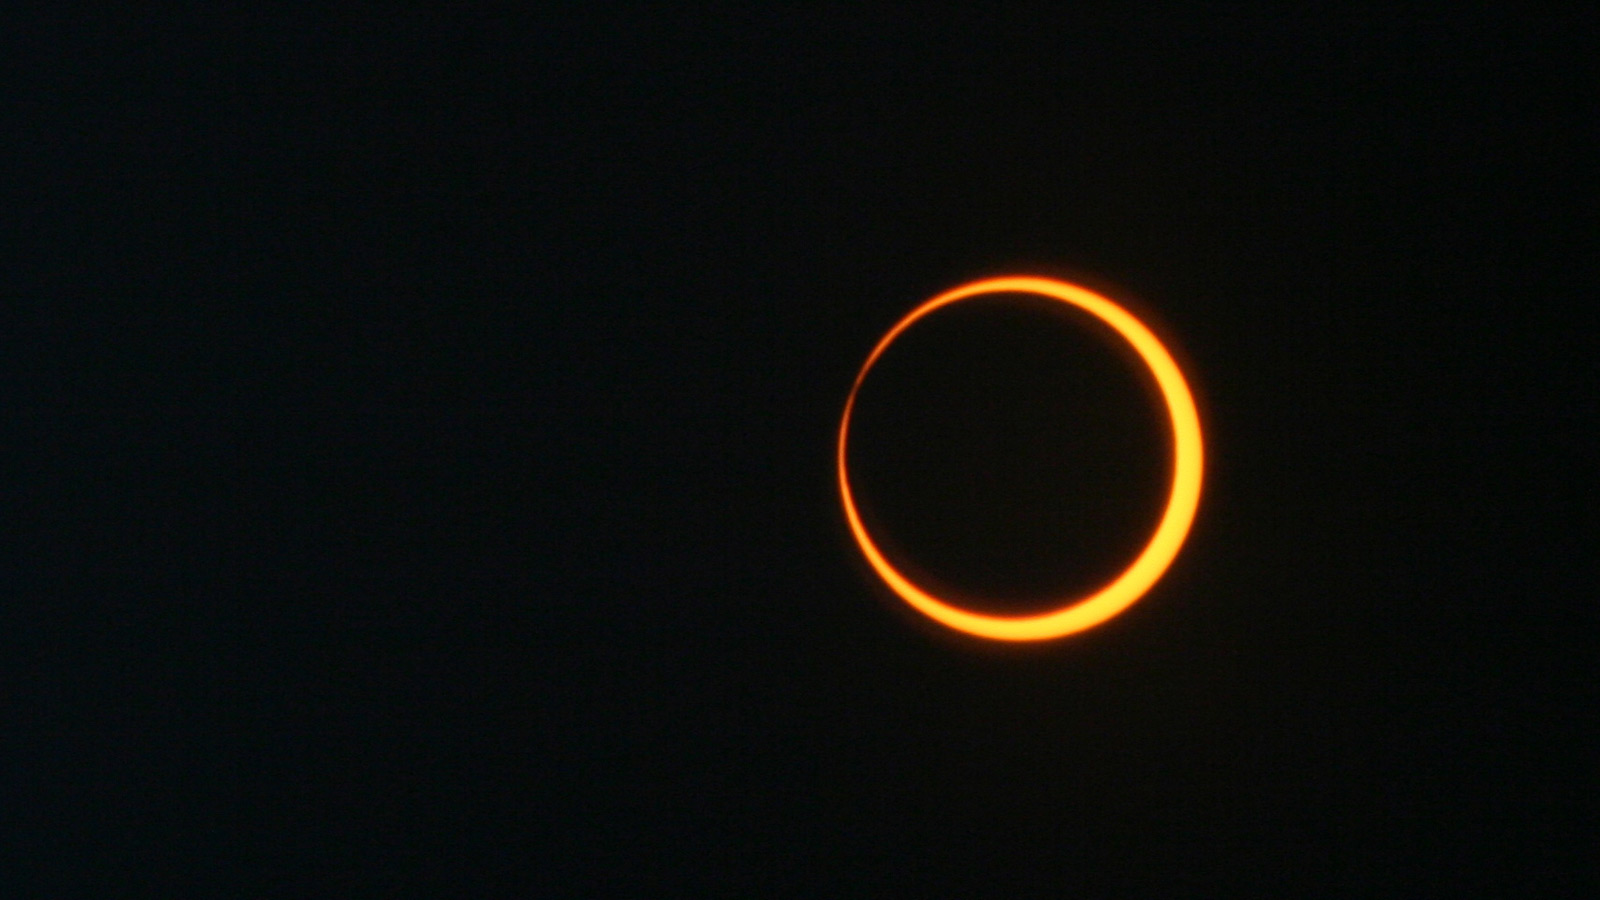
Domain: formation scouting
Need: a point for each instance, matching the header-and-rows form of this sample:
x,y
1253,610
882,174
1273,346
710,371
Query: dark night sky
x,y
419,444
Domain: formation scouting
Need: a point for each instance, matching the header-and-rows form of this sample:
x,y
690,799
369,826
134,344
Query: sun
x,y
1073,614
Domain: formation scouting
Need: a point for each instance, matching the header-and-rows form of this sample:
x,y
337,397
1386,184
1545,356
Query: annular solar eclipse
x,y
1072,614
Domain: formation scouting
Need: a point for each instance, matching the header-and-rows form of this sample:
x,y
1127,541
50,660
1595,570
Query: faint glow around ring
x,y
1073,614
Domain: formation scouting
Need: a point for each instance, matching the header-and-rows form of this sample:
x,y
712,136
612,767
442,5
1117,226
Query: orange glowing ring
x,y
1164,544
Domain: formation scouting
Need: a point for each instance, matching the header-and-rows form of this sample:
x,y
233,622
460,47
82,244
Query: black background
x,y
419,434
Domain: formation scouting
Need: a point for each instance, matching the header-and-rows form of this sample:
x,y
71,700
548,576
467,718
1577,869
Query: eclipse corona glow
x,y
1187,463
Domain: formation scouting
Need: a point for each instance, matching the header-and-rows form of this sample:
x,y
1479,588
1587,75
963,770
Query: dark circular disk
x,y
1009,451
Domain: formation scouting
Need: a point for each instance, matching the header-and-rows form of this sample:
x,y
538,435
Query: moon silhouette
x,y
1072,615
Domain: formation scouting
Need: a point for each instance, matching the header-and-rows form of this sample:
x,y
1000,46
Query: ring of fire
x,y
1147,568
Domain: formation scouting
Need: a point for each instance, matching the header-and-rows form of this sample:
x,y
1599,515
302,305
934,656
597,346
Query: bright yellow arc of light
x,y
1164,544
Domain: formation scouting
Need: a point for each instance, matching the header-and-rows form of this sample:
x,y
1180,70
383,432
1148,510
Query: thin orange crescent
x,y
1187,464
